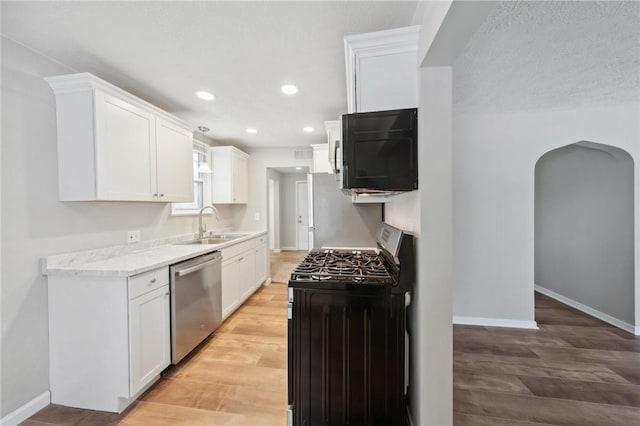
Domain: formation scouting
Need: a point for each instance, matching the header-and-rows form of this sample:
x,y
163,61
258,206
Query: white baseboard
x,y
589,311
276,250
267,282
494,322
27,410
289,248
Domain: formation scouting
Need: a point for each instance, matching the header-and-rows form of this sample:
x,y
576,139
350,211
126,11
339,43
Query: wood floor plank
x,y
629,372
543,410
514,338
602,393
489,382
620,344
490,364
148,413
578,331
587,355
187,393
462,419
493,348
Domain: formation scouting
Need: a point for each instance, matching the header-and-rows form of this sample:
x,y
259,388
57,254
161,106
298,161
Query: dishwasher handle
x,y
203,263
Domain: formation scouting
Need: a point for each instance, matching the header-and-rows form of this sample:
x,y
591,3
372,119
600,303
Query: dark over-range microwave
x,y
380,151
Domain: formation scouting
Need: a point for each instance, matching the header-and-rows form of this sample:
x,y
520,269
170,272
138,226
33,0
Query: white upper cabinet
x,y
320,163
175,177
113,146
382,70
229,175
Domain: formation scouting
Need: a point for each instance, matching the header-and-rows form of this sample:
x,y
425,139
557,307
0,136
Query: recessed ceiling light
x,y
289,89
205,95
308,129
298,168
252,130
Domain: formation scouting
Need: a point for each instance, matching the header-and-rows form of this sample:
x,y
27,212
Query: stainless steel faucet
x,y
202,229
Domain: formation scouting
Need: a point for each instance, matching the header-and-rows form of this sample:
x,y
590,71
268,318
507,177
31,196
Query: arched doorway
x,y
584,230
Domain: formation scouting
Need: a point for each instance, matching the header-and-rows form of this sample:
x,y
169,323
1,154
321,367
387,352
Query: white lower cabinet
x,y
241,265
230,290
149,332
261,264
109,337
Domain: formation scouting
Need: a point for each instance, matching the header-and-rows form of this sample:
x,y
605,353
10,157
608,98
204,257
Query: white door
x,y
302,215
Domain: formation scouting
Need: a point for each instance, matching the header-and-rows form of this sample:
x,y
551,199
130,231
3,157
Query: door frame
x,y
306,184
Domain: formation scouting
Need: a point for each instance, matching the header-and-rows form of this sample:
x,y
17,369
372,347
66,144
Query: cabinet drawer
x,y
236,249
260,240
147,281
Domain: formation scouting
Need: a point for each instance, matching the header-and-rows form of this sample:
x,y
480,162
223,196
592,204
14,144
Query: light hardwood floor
x,y
237,377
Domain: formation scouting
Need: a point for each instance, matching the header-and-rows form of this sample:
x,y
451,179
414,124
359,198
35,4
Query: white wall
x,y
493,176
273,214
288,207
35,224
259,161
584,227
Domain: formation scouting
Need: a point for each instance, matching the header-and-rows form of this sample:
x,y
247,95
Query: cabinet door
x,y
240,186
230,291
247,267
149,337
386,81
125,151
261,265
174,155
320,155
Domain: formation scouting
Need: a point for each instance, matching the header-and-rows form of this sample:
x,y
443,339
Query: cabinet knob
x,y
162,195
152,281
241,259
155,195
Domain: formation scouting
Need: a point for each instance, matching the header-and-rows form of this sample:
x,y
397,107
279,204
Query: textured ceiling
x,y
549,55
241,51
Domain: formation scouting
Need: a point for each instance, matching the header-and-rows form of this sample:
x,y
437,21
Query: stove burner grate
x,y
343,266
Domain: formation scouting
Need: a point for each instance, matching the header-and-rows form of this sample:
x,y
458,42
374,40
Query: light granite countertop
x,y
134,259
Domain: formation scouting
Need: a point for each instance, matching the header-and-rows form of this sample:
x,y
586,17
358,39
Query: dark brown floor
x,y
575,370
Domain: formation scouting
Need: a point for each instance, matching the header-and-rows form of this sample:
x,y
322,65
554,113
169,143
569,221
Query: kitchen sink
x,y
215,239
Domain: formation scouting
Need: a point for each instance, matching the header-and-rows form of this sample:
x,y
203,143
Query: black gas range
x,y
347,322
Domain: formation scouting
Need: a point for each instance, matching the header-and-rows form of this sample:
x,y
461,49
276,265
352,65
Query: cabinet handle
x,y
155,195
241,259
167,293
162,195
153,280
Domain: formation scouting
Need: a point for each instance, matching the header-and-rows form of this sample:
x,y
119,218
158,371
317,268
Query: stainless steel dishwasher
x,y
196,302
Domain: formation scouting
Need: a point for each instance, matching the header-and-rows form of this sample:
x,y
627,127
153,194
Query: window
x,y
201,184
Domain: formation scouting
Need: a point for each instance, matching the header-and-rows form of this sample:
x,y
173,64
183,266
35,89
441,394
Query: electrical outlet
x,y
256,216
133,236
